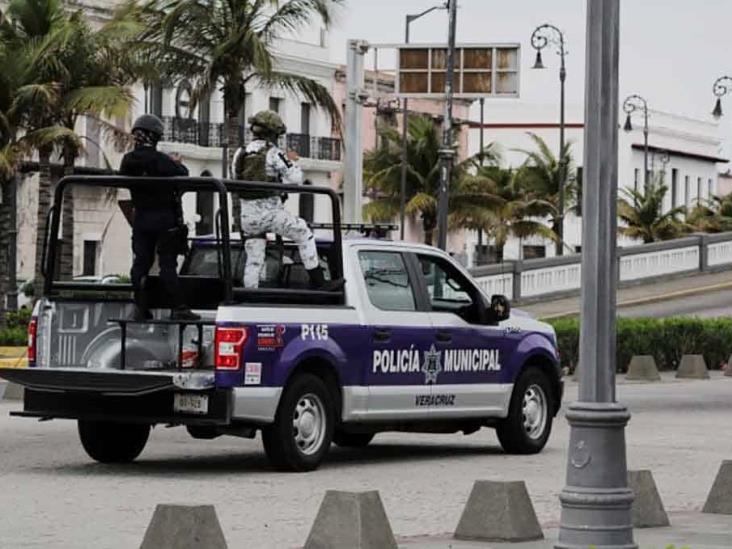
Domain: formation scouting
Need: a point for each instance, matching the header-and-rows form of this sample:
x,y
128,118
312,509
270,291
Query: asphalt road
x,y
713,304
52,495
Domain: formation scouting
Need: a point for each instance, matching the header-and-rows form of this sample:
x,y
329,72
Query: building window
x,y
635,180
183,103
89,267
674,190
274,104
698,190
710,189
687,191
579,181
305,118
534,252
156,99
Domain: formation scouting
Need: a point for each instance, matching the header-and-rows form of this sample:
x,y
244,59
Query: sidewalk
x,y
637,295
692,530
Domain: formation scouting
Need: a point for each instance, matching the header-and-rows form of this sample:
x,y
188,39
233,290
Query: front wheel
x,y
301,434
111,442
529,422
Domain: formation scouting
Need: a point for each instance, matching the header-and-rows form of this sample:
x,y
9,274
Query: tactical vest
x,y
252,166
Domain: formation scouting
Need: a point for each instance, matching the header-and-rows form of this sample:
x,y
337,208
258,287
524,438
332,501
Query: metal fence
x,y
213,134
553,277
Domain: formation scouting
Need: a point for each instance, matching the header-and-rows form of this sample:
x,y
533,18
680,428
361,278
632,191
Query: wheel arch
x,y
325,369
550,367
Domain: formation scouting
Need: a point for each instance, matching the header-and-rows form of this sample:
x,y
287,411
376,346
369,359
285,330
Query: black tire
x,y
353,440
517,433
111,442
280,444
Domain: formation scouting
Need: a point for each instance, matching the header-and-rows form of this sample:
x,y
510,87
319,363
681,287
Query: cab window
x,y
448,290
387,280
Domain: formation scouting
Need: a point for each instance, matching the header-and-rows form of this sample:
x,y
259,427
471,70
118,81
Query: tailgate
x,y
188,398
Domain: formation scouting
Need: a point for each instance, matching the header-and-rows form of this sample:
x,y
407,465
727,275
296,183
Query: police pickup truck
x,y
410,343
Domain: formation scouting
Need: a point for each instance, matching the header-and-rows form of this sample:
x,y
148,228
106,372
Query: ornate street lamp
x,y
543,36
722,86
631,104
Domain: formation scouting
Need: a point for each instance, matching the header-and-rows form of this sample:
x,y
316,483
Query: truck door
x,y
401,348
473,378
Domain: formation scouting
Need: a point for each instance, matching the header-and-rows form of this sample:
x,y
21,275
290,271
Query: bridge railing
x,y
534,279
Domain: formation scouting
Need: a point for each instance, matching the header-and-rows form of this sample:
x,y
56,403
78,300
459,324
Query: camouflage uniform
x,y
265,214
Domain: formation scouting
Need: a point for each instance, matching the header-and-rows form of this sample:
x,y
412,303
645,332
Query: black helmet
x,y
149,123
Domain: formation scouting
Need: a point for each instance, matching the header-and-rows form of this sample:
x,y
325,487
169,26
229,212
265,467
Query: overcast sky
x,y
671,50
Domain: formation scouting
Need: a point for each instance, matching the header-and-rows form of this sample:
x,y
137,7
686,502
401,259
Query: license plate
x,y
187,403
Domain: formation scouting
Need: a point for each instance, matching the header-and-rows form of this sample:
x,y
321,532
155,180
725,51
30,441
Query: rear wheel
x,y
529,422
301,434
111,442
353,440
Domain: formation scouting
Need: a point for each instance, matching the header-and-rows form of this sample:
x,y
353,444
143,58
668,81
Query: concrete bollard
x,y
692,367
728,369
184,527
719,500
351,520
647,510
643,368
3,386
499,511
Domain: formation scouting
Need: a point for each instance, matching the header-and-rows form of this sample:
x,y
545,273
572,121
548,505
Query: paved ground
x,y
52,495
700,295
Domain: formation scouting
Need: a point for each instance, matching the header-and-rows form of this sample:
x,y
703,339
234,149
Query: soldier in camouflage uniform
x,y
264,211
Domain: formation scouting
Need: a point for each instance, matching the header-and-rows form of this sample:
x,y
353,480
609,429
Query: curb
x,y
18,362
651,299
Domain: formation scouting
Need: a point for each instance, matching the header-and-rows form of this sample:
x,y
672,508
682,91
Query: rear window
x,y
282,268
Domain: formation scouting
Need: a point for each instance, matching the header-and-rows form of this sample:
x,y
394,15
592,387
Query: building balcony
x,y
213,134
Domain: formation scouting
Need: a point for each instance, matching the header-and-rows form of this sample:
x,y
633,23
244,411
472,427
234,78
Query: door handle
x,y
444,337
382,335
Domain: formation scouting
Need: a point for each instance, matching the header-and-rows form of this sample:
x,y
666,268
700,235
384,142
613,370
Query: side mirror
x,y
500,308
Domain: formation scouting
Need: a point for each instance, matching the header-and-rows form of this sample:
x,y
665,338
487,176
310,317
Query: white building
x,y
687,150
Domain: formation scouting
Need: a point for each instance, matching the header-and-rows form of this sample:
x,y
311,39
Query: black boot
x,y
141,312
318,282
183,313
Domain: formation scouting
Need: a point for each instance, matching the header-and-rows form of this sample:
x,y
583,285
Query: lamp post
x,y
543,36
405,118
596,501
447,151
631,104
722,86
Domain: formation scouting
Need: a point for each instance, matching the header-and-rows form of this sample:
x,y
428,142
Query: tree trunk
x,y
44,204
4,251
233,141
558,245
67,233
12,295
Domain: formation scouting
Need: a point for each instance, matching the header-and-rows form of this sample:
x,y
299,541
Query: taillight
x,y
229,347
32,339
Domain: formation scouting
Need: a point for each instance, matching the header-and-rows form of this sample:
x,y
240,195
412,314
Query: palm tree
x,y
711,216
642,215
72,72
229,45
543,173
512,215
382,176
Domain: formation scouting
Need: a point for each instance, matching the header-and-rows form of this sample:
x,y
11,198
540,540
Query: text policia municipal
x,y
453,360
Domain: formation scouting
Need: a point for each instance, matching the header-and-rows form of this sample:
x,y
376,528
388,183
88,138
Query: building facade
x,y
684,151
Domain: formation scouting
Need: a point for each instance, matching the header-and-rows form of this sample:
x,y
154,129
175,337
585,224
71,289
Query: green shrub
x,y
18,319
667,340
13,337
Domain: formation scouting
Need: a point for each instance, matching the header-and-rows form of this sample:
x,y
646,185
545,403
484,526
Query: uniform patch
x,y
252,373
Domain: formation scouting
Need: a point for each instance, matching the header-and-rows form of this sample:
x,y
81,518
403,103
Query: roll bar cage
x,y
222,187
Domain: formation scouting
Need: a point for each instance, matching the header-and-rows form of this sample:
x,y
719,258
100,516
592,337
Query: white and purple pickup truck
x,y
410,343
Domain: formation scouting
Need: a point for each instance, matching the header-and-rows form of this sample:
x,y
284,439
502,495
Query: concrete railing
x,y
553,277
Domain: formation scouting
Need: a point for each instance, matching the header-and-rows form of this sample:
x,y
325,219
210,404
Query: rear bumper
x,y
117,396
